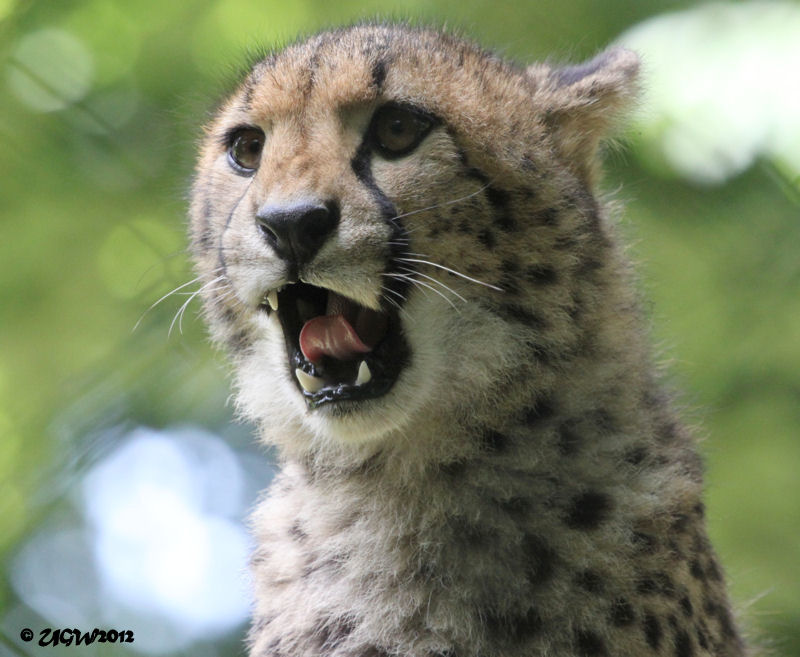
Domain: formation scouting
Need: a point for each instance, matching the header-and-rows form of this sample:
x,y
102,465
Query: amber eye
x,y
398,130
244,152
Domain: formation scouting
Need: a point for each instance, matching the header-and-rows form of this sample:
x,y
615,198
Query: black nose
x,y
297,231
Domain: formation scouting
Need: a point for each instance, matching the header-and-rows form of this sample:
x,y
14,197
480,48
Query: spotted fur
x,y
524,488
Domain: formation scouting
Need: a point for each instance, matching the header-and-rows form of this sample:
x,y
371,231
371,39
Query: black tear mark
x,y
397,287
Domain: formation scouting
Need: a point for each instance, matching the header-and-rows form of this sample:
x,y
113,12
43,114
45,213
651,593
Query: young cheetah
x,y
431,318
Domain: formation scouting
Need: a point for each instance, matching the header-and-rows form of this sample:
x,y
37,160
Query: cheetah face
x,y
315,263
353,240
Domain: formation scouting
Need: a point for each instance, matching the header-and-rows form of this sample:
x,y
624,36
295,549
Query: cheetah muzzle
x,y
337,349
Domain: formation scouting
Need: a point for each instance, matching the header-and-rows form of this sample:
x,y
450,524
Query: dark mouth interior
x,y
337,379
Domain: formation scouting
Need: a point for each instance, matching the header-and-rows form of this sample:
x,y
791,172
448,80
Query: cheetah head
x,y
355,221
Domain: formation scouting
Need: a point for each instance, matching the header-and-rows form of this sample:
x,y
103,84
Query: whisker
x,y
443,204
452,271
414,281
168,294
179,315
438,282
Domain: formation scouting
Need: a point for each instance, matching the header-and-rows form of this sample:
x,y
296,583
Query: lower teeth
x,y
309,383
312,384
364,375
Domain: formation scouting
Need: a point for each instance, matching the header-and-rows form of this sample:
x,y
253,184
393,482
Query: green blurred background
x,y
100,111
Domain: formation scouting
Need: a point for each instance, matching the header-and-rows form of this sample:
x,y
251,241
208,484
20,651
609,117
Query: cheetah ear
x,y
581,103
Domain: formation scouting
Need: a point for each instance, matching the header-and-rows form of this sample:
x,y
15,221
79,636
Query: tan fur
x,y
523,488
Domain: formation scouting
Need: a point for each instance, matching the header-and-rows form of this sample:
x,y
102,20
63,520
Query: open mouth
x,y
337,349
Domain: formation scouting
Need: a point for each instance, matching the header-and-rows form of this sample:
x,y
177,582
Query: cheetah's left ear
x,y
581,103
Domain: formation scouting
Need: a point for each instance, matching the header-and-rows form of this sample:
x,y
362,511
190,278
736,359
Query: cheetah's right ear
x,y
581,103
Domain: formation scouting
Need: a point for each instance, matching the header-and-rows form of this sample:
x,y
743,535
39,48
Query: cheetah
x,y
432,320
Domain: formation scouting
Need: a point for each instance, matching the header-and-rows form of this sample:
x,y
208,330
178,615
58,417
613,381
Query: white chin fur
x,y
438,376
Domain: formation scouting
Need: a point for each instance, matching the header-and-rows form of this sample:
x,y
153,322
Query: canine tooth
x,y
364,375
272,299
310,383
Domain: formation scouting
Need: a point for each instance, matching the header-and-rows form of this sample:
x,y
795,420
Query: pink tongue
x,y
330,335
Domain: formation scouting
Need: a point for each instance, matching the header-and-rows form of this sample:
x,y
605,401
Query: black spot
x,y
726,623
644,543
465,227
548,217
697,570
204,241
702,637
565,243
378,74
683,645
510,284
602,420
512,629
541,275
588,267
714,571
686,606
494,441
656,584
454,468
699,509
496,196
468,534
374,651
652,631
590,580
589,644
668,432
510,266
503,218
296,532
528,625
588,510
680,523
238,341
622,613
523,316
542,409
487,238
539,560
228,316
636,455
569,441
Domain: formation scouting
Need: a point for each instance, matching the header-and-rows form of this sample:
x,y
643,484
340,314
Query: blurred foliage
x,y
101,108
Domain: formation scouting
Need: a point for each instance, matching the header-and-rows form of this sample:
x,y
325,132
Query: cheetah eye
x,y
398,130
244,152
